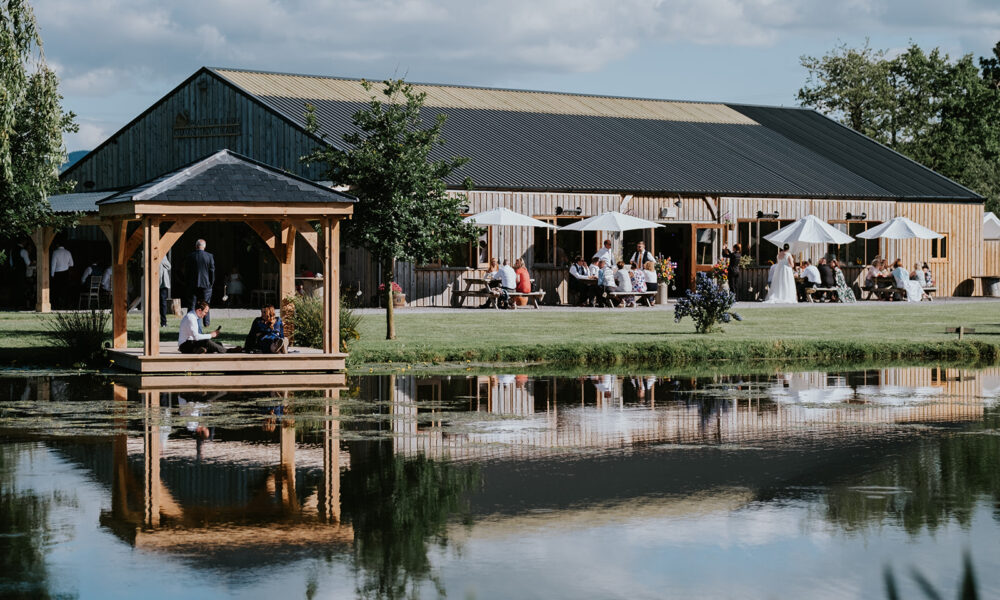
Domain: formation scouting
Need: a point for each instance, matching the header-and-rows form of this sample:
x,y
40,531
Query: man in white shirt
x,y
641,255
811,273
191,339
605,253
508,283
62,262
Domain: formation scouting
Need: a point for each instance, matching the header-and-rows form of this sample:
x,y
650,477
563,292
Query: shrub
x,y
708,304
303,319
82,333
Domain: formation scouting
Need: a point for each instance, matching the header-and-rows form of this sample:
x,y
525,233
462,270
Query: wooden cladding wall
x,y
199,118
434,286
963,226
991,258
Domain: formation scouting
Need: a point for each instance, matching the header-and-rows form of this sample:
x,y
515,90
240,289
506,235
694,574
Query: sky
x,y
117,57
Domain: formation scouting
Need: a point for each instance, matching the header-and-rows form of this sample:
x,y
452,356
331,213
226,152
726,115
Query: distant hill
x,y
72,158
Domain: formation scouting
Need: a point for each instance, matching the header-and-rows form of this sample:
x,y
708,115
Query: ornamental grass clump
x,y
707,305
304,321
81,333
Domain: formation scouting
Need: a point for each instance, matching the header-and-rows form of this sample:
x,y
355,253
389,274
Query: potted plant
x,y
665,275
398,297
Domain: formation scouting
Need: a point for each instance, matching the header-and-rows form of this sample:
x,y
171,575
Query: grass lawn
x,y
607,337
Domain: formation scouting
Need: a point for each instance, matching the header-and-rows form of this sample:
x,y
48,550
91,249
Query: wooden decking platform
x,y
170,360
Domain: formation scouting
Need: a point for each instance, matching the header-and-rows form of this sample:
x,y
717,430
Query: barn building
x,y
711,173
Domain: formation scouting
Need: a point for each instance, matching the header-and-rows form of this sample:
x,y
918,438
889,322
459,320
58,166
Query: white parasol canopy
x,y
611,221
991,227
504,217
807,231
900,228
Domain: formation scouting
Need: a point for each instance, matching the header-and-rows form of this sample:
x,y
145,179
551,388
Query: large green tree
x,y
31,123
404,211
940,112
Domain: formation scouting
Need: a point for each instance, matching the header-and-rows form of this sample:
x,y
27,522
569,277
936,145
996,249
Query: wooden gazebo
x,y
225,186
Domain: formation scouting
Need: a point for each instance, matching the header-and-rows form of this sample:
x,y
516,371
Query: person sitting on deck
x,y
191,339
267,334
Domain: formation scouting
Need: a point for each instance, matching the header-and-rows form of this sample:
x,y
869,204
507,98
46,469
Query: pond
x,y
771,485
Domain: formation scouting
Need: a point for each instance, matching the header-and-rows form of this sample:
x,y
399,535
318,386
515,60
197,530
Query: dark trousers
x,y
164,305
61,287
202,294
734,284
210,346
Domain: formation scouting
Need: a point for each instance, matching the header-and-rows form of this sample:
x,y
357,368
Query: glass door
x,y
707,240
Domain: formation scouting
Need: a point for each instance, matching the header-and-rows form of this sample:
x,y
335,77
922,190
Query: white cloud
x,y
90,135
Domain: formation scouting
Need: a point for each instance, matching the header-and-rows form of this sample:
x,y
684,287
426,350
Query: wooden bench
x,y
882,292
532,297
459,297
961,331
646,297
809,291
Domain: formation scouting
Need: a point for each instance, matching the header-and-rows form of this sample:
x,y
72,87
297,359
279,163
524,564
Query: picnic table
x,y
885,287
479,287
808,289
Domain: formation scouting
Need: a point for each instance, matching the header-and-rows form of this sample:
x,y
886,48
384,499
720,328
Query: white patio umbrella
x,y
504,217
807,231
611,221
900,228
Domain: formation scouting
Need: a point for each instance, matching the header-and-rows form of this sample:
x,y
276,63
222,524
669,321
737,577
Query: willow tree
x,y
31,123
404,212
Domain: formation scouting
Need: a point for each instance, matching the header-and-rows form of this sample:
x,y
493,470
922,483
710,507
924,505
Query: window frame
x,y
553,241
869,224
936,244
473,247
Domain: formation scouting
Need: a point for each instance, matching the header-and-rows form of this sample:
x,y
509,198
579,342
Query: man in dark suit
x,y
827,278
200,272
733,270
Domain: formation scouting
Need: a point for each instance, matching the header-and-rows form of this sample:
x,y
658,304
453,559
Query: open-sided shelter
x,y
224,187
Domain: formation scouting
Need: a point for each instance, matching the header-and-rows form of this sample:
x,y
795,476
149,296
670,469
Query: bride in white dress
x,y
782,280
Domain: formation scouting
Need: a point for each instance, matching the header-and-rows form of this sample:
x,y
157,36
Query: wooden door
x,y
707,240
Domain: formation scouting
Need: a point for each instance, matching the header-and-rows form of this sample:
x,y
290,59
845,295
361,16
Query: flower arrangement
x,y
746,261
665,269
396,289
707,305
720,270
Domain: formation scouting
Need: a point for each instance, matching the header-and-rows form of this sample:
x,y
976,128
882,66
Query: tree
x,y
404,210
31,124
944,114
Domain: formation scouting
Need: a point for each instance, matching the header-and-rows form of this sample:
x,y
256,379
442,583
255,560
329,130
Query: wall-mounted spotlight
x,y
465,208
677,203
763,215
568,211
861,217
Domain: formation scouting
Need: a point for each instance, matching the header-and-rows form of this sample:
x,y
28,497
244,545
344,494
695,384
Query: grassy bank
x,y
853,334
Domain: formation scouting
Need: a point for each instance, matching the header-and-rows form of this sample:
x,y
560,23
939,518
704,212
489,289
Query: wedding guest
x,y
580,281
623,283
605,280
649,269
844,292
641,255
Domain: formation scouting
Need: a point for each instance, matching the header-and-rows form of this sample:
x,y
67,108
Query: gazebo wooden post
x,y
151,291
286,262
42,238
331,283
152,484
330,500
119,285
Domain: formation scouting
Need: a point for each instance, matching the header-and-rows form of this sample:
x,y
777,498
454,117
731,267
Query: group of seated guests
x,y
913,281
266,336
826,273
592,282
506,279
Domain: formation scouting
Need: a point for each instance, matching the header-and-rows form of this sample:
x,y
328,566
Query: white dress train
x,y
782,287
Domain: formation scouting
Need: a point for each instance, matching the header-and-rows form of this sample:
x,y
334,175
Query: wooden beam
x,y
42,238
151,287
270,238
331,283
119,286
170,237
308,233
227,211
133,243
286,262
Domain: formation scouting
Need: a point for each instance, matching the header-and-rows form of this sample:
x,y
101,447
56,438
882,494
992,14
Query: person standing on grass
x,y
200,272
191,339
62,262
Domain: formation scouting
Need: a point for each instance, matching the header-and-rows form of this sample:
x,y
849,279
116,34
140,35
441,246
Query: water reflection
x,y
404,485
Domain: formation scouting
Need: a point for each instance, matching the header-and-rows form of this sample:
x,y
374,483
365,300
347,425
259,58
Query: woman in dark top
x,y
267,334
733,270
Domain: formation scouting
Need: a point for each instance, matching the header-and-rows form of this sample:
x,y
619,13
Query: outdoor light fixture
x,y
569,211
677,203
465,208
860,217
763,215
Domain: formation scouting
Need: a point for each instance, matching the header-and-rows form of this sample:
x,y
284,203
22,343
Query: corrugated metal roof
x,y
281,85
858,153
229,177
550,141
85,202
573,152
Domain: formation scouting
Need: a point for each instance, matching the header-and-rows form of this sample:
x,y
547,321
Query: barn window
x,y
860,251
751,232
559,248
939,248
